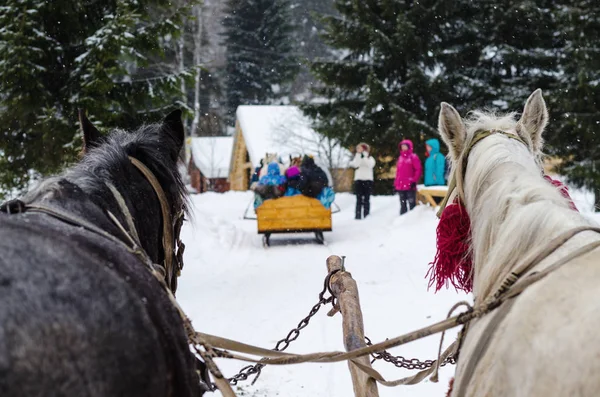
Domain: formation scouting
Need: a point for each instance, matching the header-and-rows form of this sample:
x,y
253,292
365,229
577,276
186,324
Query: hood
x,y
308,162
435,145
408,143
365,146
273,169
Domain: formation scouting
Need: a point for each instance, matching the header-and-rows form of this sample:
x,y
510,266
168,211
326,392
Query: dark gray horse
x,y
80,313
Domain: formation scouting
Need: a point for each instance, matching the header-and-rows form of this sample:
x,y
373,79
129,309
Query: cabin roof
x,y
212,155
285,130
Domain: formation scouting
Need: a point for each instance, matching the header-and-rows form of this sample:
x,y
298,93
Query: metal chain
x,y
284,343
291,336
402,362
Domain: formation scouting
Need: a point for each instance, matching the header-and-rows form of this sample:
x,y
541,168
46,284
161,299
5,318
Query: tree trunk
x,y
197,63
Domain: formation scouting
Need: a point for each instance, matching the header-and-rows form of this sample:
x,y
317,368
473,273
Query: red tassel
x,y
450,386
453,261
563,190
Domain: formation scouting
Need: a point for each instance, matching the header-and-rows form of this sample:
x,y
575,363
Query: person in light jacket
x,y
435,165
408,173
364,163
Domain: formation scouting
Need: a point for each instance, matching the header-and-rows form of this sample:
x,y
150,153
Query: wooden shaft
x,y
345,290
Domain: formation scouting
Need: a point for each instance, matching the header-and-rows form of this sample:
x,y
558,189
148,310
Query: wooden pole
x,y
345,291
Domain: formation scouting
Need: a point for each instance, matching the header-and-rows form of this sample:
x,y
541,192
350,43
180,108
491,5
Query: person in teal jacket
x,y
435,165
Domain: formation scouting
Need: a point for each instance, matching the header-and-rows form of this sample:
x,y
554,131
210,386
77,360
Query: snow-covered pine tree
x,y
574,134
306,15
261,52
381,89
400,59
60,55
494,54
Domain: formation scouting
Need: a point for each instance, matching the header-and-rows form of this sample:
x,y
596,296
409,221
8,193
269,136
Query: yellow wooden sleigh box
x,y
293,214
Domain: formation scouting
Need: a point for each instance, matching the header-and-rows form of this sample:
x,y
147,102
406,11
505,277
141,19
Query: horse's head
x,y
497,190
503,135
141,168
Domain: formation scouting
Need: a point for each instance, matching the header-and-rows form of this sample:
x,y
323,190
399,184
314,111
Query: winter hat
x,y
365,146
293,171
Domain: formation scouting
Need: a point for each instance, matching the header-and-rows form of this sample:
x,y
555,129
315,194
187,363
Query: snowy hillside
x,y
233,287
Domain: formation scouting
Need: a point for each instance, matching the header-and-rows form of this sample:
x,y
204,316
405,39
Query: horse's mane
x,y
109,160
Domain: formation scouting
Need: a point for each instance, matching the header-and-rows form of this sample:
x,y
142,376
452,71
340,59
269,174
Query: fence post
x,y
345,291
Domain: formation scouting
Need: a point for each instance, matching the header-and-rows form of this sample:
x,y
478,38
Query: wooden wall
x,y
241,167
343,178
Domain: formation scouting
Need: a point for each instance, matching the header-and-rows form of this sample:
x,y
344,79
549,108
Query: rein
x,y
168,237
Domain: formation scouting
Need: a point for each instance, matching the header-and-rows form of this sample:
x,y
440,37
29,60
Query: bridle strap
x,y
453,180
167,235
126,213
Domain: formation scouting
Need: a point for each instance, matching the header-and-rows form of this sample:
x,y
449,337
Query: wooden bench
x,y
425,194
294,214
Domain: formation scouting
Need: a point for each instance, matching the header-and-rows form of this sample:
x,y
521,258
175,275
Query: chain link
x,y
402,362
283,344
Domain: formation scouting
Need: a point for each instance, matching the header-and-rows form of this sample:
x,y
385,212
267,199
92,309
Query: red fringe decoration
x,y
453,261
450,386
563,189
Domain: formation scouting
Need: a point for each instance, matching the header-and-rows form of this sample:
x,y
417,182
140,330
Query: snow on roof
x,y
212,155
285,130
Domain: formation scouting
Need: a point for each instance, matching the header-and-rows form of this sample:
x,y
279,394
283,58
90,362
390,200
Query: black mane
x,y
156,146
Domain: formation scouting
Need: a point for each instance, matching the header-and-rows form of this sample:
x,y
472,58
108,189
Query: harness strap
x,y
167,235
482,345
125,210
76,221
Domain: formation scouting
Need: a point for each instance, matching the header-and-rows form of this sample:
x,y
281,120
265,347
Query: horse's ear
x,y
452,129
173,125
534,120
91,135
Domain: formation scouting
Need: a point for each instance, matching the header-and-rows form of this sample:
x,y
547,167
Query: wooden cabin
x,y
209,161
286,131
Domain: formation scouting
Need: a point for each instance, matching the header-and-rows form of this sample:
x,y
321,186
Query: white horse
x,y
549,342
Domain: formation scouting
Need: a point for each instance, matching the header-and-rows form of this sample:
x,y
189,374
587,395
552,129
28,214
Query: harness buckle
x,y
14,206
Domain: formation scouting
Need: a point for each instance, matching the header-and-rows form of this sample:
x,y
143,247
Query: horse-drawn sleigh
x,y
294,214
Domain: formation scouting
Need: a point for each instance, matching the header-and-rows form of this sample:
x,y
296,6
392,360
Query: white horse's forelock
x,y
478,120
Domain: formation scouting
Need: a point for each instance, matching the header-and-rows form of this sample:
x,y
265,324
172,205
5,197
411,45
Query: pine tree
x,y
307,19
383,87
402,58
261,60
494,54
58,56
574,134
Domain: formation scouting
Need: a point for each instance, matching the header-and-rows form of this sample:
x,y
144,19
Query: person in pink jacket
x,y
408,173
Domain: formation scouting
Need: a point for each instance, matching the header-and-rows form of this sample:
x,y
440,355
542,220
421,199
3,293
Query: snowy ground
x,y
233,287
